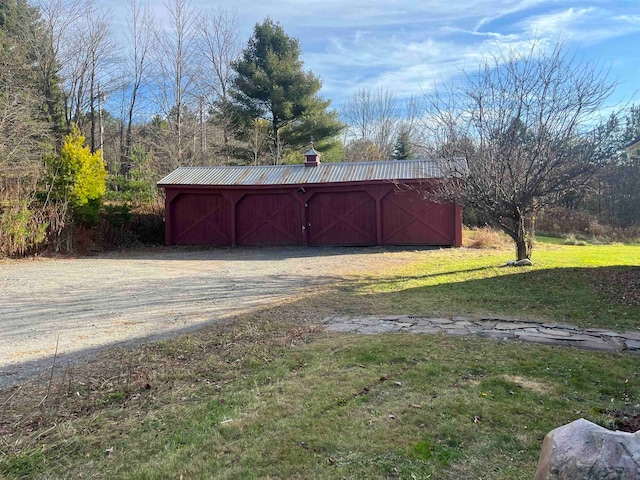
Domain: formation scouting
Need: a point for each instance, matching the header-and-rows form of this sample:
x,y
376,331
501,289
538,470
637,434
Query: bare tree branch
x,y
528,125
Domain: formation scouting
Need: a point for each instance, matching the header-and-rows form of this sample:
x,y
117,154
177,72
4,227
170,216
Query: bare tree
x,y
53,46
79,51
359,113
218,48
172,78
100,54
140,36
258,140
376,119
527,125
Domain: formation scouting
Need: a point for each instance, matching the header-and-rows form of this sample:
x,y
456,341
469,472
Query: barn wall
x,y
409,219
348,214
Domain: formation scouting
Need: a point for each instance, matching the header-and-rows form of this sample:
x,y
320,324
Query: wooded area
x,y
92,117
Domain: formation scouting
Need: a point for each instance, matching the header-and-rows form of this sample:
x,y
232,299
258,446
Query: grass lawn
x,y
589,286
273,396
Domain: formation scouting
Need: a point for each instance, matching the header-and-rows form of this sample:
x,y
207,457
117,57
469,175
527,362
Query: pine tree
x,y
271,84
402,147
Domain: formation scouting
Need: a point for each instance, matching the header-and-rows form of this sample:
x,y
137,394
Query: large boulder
x,y
584,450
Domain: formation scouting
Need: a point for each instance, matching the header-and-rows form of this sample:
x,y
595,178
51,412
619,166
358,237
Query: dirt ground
x,y
68,309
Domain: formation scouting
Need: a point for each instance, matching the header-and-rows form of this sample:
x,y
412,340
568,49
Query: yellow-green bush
x,y
78,177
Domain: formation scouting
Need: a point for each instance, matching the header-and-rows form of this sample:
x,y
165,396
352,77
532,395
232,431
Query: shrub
x,y
21,230
79,177
572,240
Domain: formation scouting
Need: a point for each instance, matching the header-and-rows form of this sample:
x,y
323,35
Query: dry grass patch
x,y
529,384
486,238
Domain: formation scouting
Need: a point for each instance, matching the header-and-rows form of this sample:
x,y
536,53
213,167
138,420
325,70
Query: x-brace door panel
x,y
269,219
201,219
341,218
409,219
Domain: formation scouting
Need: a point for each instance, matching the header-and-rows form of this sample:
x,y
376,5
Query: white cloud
x,y
407,45
553,23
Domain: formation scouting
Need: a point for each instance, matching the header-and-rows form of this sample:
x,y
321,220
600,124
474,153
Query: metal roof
x,y
299,174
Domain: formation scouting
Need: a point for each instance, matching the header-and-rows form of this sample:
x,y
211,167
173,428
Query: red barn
x,y
366,203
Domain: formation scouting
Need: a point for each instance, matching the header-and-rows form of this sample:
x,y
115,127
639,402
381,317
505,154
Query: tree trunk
x,y
276,143
92,111
522,251
522,237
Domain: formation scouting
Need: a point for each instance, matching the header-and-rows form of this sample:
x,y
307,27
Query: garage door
x,y
409,219
342,218
269,219
201,220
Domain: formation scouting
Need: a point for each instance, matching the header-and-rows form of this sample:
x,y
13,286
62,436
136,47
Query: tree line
x,y
90,114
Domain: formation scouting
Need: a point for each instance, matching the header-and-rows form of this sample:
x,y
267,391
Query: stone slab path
x,y
496,328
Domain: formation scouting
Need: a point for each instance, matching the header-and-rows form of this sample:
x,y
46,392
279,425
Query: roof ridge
x,y
326,164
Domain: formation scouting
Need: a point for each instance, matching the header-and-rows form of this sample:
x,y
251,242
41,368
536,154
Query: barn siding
x,y
409,219
360,213
269,219
342,218
201,219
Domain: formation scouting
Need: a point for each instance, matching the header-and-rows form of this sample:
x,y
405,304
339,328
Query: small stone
x,y
475,329
380,328
582,449
463,323
556,332
632,335
458,331
367,321
463,318
424,323
487,324
440,321
633,344
540,338
497,335
564,326
512,326
427,329
601,331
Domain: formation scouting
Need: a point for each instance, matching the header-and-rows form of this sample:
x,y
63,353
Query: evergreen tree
x,y
402,147
271,84
28,46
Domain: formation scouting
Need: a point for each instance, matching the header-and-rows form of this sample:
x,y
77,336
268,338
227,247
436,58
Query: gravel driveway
x,y
89,303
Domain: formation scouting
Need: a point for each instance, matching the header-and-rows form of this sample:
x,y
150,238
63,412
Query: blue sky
x,y
409,46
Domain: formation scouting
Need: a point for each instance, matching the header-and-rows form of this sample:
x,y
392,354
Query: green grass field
x,y
274,396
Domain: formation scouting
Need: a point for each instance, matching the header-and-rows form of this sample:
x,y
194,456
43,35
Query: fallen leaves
x,y
620,284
